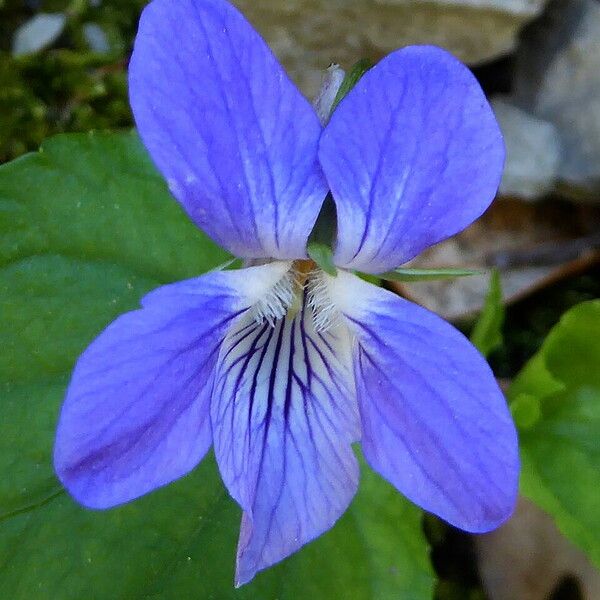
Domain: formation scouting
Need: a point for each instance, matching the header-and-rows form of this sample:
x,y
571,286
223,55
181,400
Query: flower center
x,y
303,286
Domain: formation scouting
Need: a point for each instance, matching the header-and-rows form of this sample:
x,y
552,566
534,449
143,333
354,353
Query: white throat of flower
x,y
303,283
325,312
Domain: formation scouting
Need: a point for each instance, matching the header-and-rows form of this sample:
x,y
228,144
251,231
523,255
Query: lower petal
x,y
435,424
136,414
284,415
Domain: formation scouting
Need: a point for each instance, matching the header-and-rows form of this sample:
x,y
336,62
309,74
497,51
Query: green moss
x,y
66,87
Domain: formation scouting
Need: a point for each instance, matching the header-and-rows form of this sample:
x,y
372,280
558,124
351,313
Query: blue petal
x,y
434,422
230,132
284,415
136,414
412,155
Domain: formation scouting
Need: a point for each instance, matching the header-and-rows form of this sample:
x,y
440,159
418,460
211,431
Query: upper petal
x,y
284,415
412,155
435,424
136,414
232,135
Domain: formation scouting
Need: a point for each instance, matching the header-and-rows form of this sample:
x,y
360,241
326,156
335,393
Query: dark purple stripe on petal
x,y
136,415
284,416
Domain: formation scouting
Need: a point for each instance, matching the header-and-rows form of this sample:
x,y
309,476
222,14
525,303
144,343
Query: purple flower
x,y
280,366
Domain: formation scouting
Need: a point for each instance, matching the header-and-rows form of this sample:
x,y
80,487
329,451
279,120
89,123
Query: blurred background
x,y
63,69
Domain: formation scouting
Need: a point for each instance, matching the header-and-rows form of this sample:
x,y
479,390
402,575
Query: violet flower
x,y
280,366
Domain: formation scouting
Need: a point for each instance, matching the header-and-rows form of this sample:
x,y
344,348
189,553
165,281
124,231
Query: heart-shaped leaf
x,y
86,228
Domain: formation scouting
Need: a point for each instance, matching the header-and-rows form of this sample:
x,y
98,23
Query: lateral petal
x,y
232,135
284,415
412,155
435,424
136,413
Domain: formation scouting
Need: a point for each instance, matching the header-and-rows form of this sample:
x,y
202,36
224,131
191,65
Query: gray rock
x,y
533,152
96,38
558,79
38,33
308,35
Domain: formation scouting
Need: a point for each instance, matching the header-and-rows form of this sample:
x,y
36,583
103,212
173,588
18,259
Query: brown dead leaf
x,y
527,558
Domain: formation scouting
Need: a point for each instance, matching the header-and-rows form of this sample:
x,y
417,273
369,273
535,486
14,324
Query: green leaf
x,y
179,542
86,228
526,411
323,256
561,443
97,197
487,332
352,77
411,275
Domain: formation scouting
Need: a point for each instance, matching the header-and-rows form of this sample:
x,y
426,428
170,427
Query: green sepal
x,y
410,275
321,239
351,79
487,332
229,265
323,256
